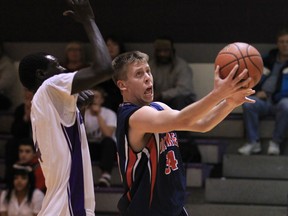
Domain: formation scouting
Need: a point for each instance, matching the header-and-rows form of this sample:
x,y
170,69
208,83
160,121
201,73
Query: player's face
x,y
163,56
113,48
74,54
53,67
282,45
20,182
26,153
139,83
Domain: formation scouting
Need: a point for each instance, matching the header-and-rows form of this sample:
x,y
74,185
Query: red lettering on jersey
x,y
171,162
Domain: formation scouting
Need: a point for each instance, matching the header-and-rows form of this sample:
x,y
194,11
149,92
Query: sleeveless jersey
x,y
153,179
61,145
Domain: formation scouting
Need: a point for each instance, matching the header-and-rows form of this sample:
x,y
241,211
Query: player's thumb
x,y
69,13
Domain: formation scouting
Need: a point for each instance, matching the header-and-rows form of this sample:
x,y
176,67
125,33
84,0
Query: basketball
x,y
243,54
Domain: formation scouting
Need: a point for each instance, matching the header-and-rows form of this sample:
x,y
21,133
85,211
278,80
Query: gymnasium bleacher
x,y
224,183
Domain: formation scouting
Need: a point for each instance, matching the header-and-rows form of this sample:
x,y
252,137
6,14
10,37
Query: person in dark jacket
x,y
271,99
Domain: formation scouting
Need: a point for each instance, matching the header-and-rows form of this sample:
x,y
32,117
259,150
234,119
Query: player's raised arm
x,y
100,69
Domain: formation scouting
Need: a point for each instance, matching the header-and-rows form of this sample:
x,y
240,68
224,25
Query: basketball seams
x,y
243,54
255,65
238,59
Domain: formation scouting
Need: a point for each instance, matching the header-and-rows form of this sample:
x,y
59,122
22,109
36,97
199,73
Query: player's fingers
x,y
245,83
68,13
232,73
89,93
216,72
241,77
249,100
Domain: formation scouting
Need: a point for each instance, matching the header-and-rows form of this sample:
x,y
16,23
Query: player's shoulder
x,y
160,104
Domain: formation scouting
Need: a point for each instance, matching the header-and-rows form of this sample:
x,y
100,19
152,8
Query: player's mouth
x,y
149,91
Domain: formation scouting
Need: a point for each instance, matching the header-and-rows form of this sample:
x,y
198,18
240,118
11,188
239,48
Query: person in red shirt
x,y
28,156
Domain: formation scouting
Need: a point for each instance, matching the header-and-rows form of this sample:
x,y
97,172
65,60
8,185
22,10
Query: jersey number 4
x,y
171,162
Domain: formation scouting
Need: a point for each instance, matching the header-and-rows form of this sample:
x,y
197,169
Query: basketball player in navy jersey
x,y
148,151
58,129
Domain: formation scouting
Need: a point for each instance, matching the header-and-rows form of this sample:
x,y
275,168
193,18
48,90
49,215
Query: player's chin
x,y
148,98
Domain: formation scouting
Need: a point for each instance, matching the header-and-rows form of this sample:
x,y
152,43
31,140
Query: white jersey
x,y
61,145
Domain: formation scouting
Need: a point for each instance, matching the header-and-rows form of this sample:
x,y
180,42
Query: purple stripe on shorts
x,y
76,180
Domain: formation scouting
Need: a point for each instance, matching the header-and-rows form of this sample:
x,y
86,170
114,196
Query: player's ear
x,y
40,74
121,85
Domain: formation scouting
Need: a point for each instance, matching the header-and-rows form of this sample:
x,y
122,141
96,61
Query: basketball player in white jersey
x,y
58,130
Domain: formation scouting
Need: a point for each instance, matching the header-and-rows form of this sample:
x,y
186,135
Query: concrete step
x,y
107,199
197,173
255,166
115,175
234,128
211,150
243,191
235,210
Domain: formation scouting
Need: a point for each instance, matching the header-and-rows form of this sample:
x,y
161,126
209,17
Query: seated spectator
x,y
28,156
21,197
114,98
100,124
20,128
172,76
10,86
173,85
271,99
75,57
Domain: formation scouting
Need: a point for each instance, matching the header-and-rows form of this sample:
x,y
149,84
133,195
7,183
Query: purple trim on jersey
x,y
75,188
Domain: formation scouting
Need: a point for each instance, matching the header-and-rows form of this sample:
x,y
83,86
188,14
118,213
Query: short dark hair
x,y
27,142
283,31
120,62
118,41
28,67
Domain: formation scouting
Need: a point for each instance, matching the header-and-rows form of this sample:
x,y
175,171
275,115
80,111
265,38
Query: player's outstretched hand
x,y
241,97
85,98
228,86
81,10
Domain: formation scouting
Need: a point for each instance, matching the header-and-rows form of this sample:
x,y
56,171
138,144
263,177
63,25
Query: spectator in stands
x,y
28,156
100,124
271,99
172,75
173,81
75,57
114,98
20,128
10,86
21,197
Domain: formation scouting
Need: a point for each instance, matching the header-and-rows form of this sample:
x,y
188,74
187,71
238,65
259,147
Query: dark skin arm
x,y
100,69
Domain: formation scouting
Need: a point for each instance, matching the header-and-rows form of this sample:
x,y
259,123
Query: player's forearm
x,y
199,109
213,117
101,57
101,68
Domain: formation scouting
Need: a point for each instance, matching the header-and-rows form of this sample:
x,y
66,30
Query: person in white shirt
x,y
21,198
100,124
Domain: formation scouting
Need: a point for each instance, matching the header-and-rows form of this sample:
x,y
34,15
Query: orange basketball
x,y
243,54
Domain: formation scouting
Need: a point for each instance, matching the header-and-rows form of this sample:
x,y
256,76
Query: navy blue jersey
x,y
153,178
